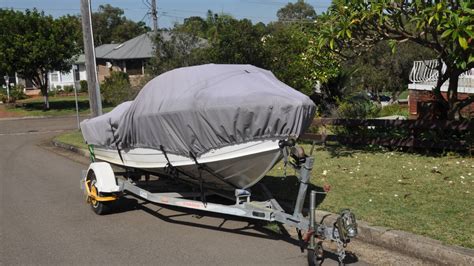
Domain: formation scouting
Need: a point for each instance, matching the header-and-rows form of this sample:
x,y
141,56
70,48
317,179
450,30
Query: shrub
x,y
3,97
52,93
83,86
18,92
116,88
68,89
359,107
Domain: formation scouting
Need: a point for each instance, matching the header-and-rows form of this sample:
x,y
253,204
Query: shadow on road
x,y
68,104
252,228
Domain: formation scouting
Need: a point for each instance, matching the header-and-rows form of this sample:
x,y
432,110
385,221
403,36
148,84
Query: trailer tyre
x,y
98,207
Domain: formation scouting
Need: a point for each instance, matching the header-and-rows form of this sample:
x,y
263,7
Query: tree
x,y
235,41
296,12
33,44
284,48
193,25
181,49
230,41
285,45
379,69
111,26
445,27
278,47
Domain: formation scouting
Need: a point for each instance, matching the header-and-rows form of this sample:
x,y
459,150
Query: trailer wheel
x,y
316,255
98,207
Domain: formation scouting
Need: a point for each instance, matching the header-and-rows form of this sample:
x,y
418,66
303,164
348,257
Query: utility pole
x,y
154,15
95,102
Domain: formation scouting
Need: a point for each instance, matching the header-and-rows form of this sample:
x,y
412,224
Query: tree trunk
x,y
453,96
46,100
442,106
45,92
395,95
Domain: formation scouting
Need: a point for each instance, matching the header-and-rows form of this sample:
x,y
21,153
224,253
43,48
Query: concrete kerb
x,y
406,243
22,118
70,147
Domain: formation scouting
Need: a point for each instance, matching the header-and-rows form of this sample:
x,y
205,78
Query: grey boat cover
x,y
200,108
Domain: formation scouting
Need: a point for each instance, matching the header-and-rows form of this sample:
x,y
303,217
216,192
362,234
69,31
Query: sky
x,y
169,11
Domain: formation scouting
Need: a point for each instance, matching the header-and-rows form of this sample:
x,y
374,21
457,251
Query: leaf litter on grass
x,y
367,182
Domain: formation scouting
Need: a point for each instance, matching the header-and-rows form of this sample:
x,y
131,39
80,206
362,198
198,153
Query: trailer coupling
x,y
342,231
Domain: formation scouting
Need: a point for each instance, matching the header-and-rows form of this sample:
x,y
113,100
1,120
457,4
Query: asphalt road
x,y
45,220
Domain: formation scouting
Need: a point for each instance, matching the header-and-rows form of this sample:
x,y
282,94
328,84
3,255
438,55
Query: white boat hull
x,y
236,166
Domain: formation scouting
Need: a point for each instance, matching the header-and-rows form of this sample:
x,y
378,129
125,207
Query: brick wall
x,y
416,96
103,71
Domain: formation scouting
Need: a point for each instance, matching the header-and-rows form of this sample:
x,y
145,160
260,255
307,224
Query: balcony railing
x,y
426,71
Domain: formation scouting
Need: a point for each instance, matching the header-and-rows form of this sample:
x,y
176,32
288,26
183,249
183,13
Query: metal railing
x,y
426,71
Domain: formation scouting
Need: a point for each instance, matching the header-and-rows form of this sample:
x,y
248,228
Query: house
x,y
424,76
129,57
58,80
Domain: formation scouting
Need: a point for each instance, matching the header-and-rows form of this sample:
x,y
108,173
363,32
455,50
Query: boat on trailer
x,y
228,168
218,128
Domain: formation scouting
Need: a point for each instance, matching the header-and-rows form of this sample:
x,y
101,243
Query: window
x,y
55,77
134,67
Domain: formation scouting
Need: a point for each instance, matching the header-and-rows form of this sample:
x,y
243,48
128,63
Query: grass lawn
x,y
403,95
59,105
427,195
394,109
72,138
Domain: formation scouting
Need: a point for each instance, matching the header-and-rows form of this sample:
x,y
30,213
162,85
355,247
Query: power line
x,y
61,9
278,3
146,3
273,3
145,16
178,13
174,15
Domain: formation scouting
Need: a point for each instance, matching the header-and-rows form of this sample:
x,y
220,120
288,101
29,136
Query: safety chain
x,y
341,252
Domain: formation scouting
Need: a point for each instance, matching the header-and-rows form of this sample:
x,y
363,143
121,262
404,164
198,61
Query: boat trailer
x,y
102,186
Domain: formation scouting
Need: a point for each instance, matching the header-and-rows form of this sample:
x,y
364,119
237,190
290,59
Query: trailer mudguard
x,y
105,177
